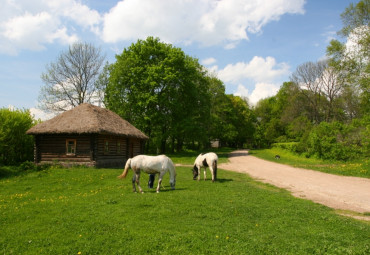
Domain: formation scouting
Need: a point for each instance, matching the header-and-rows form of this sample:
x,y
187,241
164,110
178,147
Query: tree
x,y
308,76
160,90
351,58
70,80
15,146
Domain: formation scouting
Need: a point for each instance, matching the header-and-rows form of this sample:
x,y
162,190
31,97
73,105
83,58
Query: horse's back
x,y
212,156
146,162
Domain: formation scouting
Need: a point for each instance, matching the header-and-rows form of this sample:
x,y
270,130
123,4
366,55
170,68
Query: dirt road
x,y
338,192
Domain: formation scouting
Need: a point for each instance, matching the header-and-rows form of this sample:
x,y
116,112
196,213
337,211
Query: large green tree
x,y
160,90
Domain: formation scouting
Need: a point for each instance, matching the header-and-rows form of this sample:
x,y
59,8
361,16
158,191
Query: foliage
x,y
351,58
325,108
70,80
339,141
72,211
160,90
173,99
15,146
291,146
236,121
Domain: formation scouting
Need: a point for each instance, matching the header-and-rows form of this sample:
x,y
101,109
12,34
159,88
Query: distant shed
x,y
87,135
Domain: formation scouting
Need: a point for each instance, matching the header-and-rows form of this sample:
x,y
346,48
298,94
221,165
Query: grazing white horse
x,y
205,160
151,165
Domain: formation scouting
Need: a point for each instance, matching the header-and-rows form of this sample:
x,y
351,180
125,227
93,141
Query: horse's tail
x,y
215,169
127,167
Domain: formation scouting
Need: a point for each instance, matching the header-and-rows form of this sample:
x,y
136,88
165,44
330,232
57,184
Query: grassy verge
x,y
90,211
360,168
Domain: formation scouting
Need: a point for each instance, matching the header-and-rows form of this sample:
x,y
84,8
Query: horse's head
x,y
195,172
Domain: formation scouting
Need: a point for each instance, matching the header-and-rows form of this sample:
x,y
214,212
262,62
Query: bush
x,y
15,145
292,146
338,141
27,165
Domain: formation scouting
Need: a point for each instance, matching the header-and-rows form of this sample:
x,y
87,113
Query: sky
x,y
253,46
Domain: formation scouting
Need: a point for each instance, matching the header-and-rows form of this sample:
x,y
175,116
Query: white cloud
x,y
258,69
208,22
329,35
208,61
40,114
31,25
262,76
242,91
261,91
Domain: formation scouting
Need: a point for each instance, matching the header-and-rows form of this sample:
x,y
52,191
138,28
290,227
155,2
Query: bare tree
x,y
308,76
331,88
70,81
321,85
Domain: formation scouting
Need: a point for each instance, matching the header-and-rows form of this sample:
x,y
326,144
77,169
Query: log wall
x,y
92,149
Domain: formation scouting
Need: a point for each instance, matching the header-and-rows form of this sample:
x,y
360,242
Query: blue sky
x,y
252,46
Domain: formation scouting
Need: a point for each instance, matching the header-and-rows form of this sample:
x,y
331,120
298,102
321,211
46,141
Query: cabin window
x,y
71,146
118,147
106,146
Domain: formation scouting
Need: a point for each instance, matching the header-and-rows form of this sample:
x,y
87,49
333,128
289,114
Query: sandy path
x,y
338,192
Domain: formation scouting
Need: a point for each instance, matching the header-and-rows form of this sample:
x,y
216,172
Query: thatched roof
x,y
87,119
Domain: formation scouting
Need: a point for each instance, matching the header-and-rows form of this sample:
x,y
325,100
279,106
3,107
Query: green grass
x,y
359,168
67,211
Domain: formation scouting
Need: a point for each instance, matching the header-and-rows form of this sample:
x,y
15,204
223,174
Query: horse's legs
x,y
133,183
205,175
160,180
138,182
212,172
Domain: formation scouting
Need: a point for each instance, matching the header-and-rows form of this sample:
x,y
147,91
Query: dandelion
x,y
227,238
216,236
79,253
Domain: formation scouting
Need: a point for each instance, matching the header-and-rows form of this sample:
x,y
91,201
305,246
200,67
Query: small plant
x,y
27,165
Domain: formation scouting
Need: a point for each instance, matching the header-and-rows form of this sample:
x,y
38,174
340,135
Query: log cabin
x,y
87,135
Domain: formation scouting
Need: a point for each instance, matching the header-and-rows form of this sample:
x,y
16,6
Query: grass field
x,y
360,168
90,211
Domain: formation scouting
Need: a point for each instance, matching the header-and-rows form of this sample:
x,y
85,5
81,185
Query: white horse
x,y
205,160
151,165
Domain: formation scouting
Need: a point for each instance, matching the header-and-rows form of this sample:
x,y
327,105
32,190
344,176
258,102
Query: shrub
x,y
27,165
292,146
337,141
15,145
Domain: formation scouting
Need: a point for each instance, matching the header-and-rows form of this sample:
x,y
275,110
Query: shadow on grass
x,y
9,171
224,180
163,190
217,181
